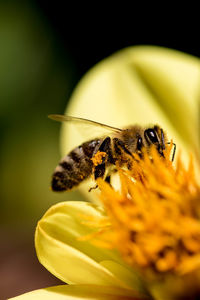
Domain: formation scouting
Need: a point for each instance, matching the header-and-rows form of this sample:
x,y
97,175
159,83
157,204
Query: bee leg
x,y
100,169
120,145
174,151
107,179
93,188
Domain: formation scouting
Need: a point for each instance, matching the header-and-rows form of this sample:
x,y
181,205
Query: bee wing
x,y
87,126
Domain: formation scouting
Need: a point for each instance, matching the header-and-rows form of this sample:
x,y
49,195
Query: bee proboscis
x,y
78,164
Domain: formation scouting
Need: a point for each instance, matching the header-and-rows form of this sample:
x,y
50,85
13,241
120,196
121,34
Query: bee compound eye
x,y
151,135
139,143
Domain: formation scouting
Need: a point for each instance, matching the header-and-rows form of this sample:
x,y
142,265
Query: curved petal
x,y
71,260
140,85
173,77
124,273
78,292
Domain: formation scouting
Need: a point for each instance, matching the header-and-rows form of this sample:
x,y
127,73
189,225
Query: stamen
x,y
154,219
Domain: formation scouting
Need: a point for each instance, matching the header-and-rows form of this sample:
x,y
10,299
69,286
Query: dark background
x,y
90,34
45,48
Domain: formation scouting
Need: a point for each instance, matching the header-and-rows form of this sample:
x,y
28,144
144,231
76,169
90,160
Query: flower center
x,y
154,219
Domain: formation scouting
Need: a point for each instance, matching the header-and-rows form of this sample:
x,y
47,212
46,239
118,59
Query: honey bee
x,y
117,145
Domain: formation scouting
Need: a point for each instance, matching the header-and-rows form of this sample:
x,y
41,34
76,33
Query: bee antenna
x,y
162,138
174,151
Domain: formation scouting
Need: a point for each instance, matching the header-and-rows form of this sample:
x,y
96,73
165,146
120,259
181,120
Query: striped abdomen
x,y
75,167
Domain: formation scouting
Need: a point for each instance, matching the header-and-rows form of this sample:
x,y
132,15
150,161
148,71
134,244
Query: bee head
x,y
156,137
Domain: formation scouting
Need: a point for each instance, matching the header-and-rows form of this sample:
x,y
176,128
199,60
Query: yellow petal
x,y
60,251
124,273
78,292
142,85
173,77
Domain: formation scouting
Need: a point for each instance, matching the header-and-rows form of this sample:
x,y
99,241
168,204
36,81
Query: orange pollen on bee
x,y
97,159
155,217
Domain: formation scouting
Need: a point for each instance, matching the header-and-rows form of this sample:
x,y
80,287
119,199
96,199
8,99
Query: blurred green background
x,y
36,78
43,54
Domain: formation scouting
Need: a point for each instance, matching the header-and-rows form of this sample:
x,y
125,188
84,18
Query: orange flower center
x,y
154,220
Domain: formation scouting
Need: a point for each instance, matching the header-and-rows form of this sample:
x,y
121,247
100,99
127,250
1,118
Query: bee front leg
x,y
120,145
125,157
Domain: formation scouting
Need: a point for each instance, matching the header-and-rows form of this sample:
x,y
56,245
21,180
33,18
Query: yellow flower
x,y
140,85
144,241
154,223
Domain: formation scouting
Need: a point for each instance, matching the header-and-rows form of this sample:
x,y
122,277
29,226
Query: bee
x,y
117,145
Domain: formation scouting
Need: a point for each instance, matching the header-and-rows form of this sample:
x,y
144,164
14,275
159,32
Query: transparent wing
x,y
65,118
88,128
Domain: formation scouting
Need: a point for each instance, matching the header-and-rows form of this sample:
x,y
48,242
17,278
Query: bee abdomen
x,y
74,167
